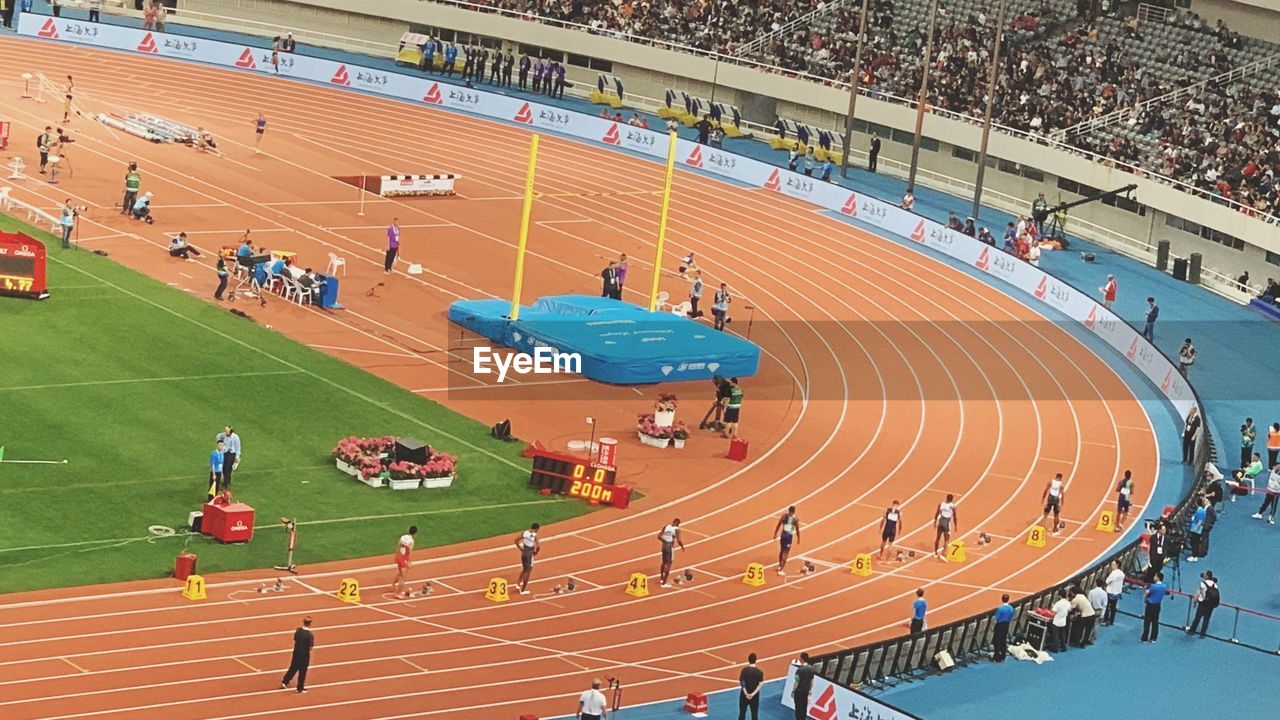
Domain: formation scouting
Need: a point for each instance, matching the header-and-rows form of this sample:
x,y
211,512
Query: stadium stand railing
x,y
755,44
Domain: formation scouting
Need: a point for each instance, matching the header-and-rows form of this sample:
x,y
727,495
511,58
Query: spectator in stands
x,y
1153,313
1000,640
1152,598
162,14
1208,597
874,153
750,683
953,222
148,15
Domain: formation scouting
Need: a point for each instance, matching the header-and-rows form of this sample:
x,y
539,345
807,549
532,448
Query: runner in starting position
x,y
402,562
529,546
670,537
1052,499
945,519
889,525
789,525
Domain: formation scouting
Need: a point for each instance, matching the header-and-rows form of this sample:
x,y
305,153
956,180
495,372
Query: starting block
x,y
695,703
1036,537
861,565
349,590
1107,521
638,586
497,590
754,575
955,551
194,588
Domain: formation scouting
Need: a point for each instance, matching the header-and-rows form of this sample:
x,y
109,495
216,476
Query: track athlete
x,y
1052,497
670,537
889,525
403,550
789,526
529,546
945,520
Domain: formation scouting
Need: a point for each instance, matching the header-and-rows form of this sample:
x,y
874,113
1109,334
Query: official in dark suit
x,y
1189,432
1156,552
612,288
303,641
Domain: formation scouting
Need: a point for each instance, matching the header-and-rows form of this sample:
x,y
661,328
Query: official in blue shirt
x,y
231,453
450,57
216,461
1151,609
1003,616
1195,536
918,609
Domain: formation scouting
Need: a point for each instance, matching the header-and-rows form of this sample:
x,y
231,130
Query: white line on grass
x,y
128,381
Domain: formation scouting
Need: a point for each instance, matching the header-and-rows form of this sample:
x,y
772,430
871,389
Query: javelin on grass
x,y
30,462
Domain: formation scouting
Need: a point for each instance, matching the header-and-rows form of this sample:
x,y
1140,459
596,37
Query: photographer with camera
x,y
723,390
68,221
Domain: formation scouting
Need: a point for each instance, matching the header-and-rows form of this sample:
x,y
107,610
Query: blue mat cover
x,y
620,343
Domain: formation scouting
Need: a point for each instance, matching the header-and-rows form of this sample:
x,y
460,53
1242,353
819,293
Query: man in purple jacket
x,y
393,244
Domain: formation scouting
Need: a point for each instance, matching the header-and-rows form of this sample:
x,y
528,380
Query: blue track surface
x,y
619,343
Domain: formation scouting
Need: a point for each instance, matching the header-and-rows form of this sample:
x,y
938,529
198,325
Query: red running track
x,y
887,375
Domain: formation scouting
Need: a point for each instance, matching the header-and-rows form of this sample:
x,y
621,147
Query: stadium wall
x,y
1024,168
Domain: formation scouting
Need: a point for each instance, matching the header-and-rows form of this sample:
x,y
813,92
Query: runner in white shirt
x,y
403,551
1052,497
670,538
529,546
945,520
591,703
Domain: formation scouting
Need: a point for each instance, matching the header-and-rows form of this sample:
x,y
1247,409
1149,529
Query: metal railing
x,y
1259,631
1153,13
969,639
763,40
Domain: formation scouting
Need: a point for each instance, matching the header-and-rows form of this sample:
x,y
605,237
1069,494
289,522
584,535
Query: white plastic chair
x,y
295,292
682,309
335,263
663,297
6,202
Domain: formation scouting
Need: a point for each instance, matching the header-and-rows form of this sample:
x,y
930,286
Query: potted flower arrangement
x,y
369,461
664,410
650,432
679,435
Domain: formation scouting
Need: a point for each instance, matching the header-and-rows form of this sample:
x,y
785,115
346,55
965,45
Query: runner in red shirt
x,y
402,561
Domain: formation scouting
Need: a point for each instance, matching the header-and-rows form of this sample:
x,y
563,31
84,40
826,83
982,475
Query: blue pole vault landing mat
x,y
619,343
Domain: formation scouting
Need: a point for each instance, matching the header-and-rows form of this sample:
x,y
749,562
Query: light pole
x,y
923,99
856,75
986,114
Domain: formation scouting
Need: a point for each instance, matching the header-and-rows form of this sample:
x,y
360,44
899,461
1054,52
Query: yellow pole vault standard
x,y
524,227
662,220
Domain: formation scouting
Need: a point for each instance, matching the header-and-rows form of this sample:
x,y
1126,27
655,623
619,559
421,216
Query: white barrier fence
x,y
887,217
829,700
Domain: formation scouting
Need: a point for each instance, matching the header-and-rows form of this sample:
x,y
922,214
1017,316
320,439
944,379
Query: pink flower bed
x,y
371,457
